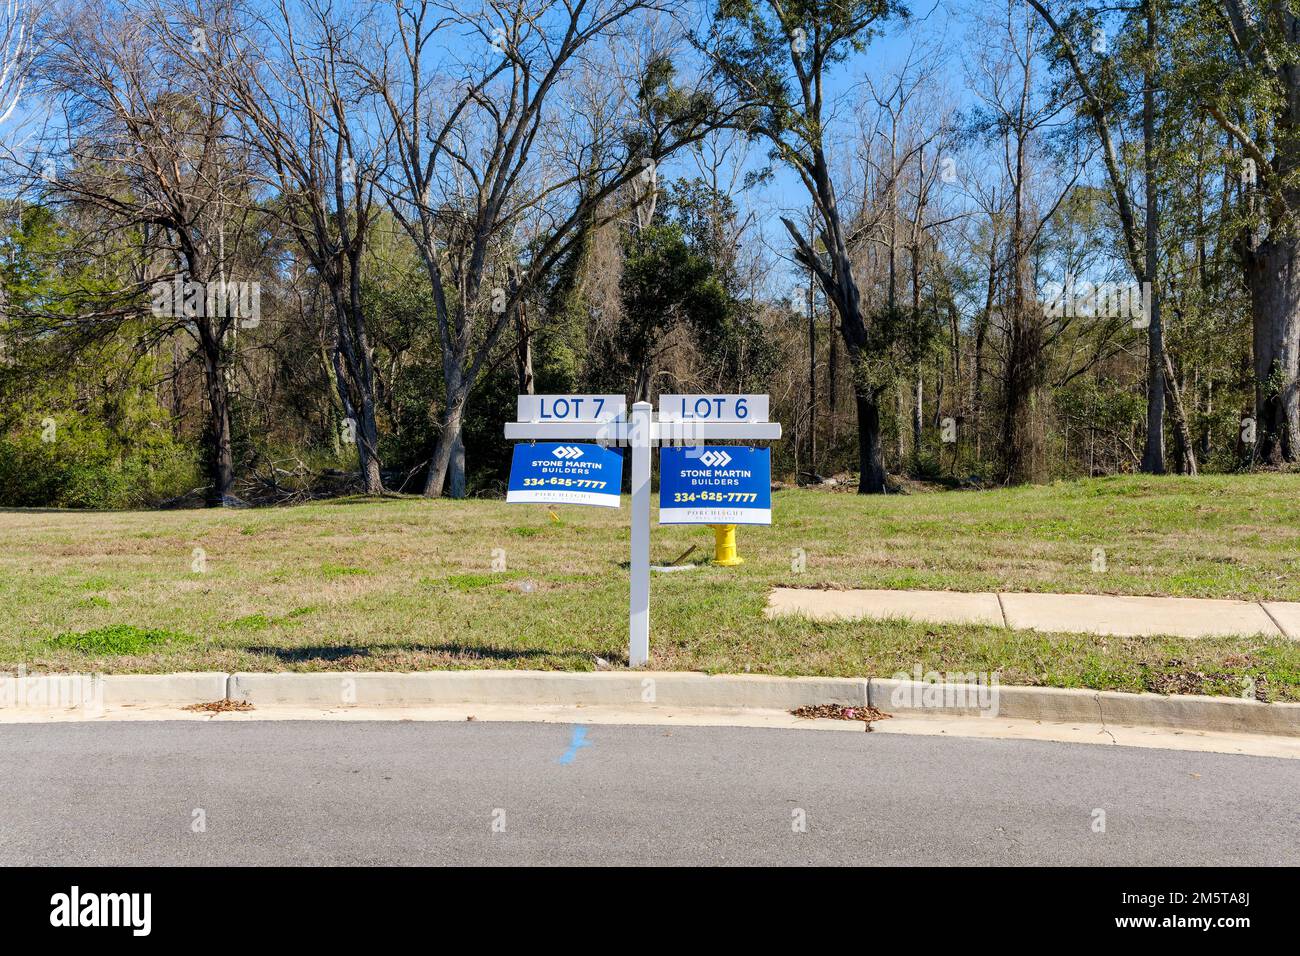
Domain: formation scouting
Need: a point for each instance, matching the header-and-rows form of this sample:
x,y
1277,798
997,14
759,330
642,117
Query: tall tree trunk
x,y
954,345
1153,453
524,350
977,382
936,418
448,454
457,469
446,473
812,372
1023,373
524,353
221,456
981,332
900,432
368,447
448,459
1182,428
871,456
1273,279
842,291
364,430
831,383
641,385
918,405
348,413
1206,440
368,433
340,404
918,423
210,332
354,349
1019,431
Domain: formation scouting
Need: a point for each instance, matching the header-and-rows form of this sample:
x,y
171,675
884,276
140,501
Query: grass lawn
x,y
407,584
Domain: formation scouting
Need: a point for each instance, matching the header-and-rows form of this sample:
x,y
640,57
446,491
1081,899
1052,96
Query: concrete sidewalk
x,y
1074,613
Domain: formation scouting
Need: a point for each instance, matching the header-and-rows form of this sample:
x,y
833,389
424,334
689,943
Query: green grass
x,y
329,571
251,622
408,584
118,639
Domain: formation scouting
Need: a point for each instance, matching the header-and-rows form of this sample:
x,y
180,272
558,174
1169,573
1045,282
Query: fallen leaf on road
x,y
221,706
840,712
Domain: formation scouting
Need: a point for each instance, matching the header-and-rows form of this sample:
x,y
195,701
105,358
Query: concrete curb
x,y
92,692
762,692
1180,712
682,689
616,688
199,687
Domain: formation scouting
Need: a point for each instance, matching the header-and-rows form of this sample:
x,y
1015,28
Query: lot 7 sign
x,y
572,408
565,474
716,484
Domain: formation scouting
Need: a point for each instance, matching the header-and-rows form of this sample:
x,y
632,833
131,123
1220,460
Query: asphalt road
x,y
330,792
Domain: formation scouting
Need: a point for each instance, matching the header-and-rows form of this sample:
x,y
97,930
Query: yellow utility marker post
x,y
724,546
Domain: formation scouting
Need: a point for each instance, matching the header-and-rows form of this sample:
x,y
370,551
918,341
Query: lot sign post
x,y
688,420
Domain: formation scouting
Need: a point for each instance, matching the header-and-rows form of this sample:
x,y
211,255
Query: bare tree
x,y
16,47
295,92
145,147
1017,114
494,181
906,122
1141,247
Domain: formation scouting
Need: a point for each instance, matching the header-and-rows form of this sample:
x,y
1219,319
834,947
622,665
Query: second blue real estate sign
x,y
715,484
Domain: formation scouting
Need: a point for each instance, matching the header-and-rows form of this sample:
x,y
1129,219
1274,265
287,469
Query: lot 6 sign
x,y
565,474
713,408
715,484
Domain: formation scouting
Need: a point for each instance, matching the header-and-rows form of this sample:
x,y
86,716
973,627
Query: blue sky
x,y
935,21
931,21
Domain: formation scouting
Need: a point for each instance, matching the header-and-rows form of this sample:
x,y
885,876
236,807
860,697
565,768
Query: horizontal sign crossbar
x,y
661,433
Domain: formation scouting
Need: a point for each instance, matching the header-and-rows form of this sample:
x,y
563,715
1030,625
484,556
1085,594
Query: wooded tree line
x,y
262,250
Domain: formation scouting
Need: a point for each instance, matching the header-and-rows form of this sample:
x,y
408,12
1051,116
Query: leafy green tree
x,y
778,55
1238,62
80,426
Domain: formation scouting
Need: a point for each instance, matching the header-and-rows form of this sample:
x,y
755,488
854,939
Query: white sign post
x,y
638,622
586,418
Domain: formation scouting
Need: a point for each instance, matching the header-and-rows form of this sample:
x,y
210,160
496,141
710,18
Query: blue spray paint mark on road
x,y
579,740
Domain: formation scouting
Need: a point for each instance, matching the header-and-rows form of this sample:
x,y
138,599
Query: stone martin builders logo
x,y
75,908
567,451
719,459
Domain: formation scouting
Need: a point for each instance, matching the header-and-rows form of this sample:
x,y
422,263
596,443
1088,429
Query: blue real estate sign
x,y
565,474
717,484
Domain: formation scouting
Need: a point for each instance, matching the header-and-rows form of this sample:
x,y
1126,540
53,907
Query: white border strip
x,y
562,496
762,516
